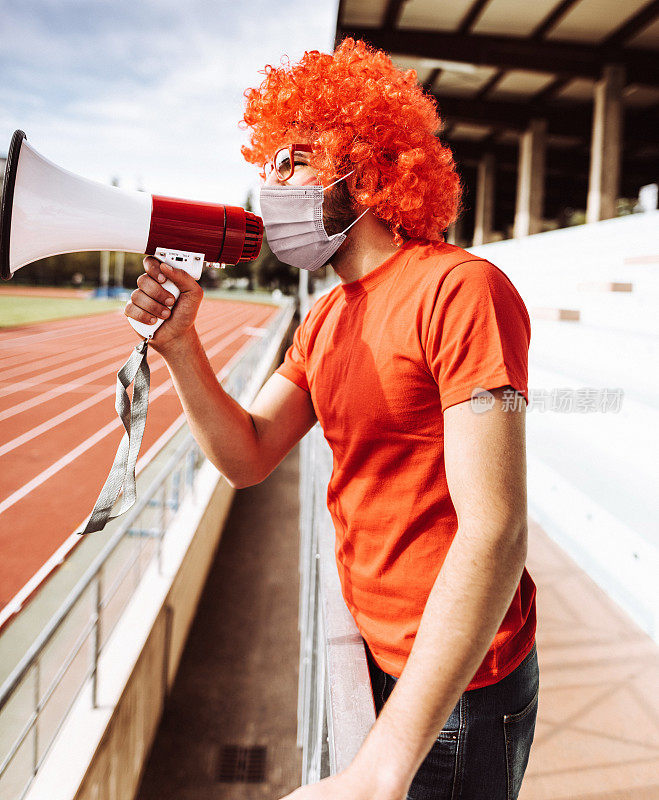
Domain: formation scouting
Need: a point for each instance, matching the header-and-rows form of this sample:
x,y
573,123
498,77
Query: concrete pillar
x,y
455,232
606,145
105,271
303,292
119,261
531,179
484,211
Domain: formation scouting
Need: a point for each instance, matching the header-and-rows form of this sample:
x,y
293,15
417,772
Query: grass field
x,y
17,311
259,296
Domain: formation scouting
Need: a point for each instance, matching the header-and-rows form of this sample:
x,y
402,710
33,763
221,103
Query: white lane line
x,y
24,364
157,446
72,329
83,405
92,440
17,601
49,424
35,332
83,361
58,390
90,328
93,324
28,358
29,363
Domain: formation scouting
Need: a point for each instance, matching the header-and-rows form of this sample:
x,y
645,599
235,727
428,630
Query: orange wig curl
x,y
360,112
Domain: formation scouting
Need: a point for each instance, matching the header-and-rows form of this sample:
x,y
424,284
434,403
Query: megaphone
x,y
47,211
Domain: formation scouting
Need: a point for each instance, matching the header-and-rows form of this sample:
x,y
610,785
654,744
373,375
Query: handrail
x,y
335,702
139,533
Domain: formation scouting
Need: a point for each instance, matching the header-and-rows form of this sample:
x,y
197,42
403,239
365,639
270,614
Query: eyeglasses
x,y
284,161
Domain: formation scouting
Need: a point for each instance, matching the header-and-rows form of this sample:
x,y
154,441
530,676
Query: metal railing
x,y
335,701
38,695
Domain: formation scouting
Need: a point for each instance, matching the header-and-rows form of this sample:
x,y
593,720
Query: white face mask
x,y
293,220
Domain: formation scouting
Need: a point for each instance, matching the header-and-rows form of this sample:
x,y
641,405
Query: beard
x,y
338,213
338,210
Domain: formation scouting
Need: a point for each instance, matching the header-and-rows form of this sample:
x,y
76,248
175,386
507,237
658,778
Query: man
x,y
416,366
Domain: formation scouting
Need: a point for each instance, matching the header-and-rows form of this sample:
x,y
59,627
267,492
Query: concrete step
x,y
629,311
592,485
609,455
591,355
565,270
594,303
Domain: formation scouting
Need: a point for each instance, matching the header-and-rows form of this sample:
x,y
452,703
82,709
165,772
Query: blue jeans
x,y
483,749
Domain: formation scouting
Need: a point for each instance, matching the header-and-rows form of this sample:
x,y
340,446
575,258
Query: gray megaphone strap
x,y
133,417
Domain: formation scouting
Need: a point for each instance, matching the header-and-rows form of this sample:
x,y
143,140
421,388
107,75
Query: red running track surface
x,y
58,427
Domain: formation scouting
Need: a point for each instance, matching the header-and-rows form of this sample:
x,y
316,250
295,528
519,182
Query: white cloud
x,y
151,92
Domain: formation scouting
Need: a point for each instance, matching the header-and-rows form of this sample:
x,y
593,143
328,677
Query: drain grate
x,y
241,764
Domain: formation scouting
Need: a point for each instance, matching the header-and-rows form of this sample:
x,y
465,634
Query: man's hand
x,y
150,302
354,783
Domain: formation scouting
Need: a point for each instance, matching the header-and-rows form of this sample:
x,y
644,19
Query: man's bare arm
x,y
245,445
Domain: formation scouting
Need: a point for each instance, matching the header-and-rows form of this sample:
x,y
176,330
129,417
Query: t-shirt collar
x,y
377,274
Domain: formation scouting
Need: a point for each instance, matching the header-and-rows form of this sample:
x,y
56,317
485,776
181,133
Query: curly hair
x,y
360,112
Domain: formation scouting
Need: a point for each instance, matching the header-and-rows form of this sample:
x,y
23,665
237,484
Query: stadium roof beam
x,y
573,120
550,91
565,59
633,26
549,21
392,14
497,72
472,15
515,116
552,19
505,156
559,161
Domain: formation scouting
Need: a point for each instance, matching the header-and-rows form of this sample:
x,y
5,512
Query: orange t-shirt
x,y
382,357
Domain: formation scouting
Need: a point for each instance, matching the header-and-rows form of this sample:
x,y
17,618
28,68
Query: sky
x,y
148,91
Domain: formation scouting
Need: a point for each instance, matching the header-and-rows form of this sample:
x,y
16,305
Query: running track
x,y
58,427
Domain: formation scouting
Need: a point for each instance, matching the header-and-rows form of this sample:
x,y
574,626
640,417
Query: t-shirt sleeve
x,y
294,365
478,335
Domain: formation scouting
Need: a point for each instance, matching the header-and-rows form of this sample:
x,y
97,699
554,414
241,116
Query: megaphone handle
x,y
145,330
192,263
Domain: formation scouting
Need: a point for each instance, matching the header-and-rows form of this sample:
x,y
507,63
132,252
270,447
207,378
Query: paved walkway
x,y
597,734
237,681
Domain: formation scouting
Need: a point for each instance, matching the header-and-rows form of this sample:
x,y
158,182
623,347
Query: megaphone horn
x,y
47,210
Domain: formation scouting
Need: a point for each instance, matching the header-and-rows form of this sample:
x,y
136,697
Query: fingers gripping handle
x,y
192,263
148,330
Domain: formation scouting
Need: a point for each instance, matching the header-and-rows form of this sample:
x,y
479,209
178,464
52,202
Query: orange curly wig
x,y
360,112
